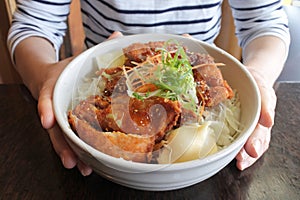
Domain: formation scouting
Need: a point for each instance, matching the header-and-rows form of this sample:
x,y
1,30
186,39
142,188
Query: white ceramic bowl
x,y
156,177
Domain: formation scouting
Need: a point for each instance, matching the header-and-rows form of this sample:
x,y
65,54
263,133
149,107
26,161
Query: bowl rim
x,y
120,162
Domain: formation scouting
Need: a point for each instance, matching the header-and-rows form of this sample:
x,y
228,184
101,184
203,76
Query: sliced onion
x,y
188,143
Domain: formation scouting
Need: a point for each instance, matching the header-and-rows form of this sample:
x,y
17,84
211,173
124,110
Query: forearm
x,y
32,56
265,56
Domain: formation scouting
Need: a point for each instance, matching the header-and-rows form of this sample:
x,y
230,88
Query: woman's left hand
x,y
259,141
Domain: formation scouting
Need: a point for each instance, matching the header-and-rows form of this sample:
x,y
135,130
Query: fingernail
x,y
85,171
244,165
244,154
257,147
42,120
63,161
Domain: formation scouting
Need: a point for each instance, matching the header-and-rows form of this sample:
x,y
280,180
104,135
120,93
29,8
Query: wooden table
x,y
29,168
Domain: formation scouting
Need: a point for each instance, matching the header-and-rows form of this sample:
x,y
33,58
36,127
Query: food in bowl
x,y
73,84
161,104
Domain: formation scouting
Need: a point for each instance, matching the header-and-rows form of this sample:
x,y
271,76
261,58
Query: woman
x,y
39,26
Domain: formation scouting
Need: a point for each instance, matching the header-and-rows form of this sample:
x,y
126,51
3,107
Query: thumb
x,y
45,108
115,34
268,104
268,99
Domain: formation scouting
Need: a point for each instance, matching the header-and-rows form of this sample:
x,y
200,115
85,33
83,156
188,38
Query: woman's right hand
x,y
45,109
40,71
35,61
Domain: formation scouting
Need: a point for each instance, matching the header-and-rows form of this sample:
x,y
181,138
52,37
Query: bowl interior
x,y
75,73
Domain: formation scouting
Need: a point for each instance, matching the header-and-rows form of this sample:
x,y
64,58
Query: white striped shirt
x,y
199,18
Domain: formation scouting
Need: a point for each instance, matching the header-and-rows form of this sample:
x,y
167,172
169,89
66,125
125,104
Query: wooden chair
x,y
7,72
74,40
226,38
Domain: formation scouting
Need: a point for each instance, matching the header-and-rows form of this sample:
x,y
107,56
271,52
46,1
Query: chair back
x,y
7,72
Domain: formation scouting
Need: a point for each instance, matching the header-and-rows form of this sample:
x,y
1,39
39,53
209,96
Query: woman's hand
x,y
259,141
45,108
264,58
35,60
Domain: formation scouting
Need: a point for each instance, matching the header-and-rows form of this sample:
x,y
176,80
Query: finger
x,y
62,148
268,104
254,148
242,155
115,34
187,35
45,108
268,99
245,163
84,169
258,142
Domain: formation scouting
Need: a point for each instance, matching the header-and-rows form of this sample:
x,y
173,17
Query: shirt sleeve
x,y
255,18
41,18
